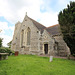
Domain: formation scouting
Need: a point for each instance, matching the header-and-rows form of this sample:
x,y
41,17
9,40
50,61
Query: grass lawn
x,y
35,65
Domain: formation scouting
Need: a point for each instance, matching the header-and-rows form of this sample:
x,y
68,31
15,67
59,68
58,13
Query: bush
x,y
13,53
5,50
8,50
74,55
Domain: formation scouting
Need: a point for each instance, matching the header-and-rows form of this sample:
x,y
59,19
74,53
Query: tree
x,y
9,44
66,20
1,42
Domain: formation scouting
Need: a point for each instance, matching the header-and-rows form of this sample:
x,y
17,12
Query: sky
x,y
44,11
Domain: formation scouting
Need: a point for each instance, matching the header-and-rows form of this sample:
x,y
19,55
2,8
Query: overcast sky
x,y
44,11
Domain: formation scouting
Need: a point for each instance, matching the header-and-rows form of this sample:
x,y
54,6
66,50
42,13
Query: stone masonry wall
x,y
62,49
34,38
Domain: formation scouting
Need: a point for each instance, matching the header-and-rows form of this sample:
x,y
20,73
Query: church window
x,y
22,35
28,36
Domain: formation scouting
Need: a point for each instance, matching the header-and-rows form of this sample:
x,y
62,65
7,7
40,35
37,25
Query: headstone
x,y
51,58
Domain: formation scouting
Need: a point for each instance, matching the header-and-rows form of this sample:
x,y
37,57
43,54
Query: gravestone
x,y
51,56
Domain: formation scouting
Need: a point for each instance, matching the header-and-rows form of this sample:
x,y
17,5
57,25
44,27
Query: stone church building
x,y
31,37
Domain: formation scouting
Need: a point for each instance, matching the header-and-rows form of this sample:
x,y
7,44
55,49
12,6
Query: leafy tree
x,y
9,44
1,42
66,20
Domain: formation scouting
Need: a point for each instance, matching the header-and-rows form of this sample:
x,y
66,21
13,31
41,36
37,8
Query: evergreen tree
x,y
66,20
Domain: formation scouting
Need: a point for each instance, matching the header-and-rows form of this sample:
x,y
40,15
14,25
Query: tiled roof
x,y
54,30
38,25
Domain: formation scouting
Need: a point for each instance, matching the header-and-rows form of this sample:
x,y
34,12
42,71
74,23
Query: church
x,y
31,37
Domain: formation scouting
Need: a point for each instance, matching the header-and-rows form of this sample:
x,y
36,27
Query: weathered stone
x,y
3,56
30,37
51,58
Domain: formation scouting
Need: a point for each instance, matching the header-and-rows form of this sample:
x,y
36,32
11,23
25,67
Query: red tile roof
x,y
54,30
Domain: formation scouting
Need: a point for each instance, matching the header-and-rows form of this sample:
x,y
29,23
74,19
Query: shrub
x,y
13,53
8,50
5,50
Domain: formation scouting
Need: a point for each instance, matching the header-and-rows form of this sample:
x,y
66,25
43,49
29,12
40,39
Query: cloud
x,y
6,38
46,11
4,26
14,11
49,18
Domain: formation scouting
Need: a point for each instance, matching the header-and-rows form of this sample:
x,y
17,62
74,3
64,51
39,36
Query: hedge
x,y
5,50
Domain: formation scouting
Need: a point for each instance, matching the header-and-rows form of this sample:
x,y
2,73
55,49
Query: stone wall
x,y
37,40
62,48
34,38
15,36
47,39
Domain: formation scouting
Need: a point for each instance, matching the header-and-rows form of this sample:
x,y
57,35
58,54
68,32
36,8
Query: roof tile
x,y
54,30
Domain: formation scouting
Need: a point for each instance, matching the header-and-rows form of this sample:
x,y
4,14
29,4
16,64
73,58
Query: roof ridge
x,y
38,25
51,29
52,26
37,22
54,30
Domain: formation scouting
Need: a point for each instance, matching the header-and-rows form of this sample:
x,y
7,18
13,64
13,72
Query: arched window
x,y
22,35
28,36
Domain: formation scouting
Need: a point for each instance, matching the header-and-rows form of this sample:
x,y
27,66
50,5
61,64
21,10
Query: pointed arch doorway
x,y
46,48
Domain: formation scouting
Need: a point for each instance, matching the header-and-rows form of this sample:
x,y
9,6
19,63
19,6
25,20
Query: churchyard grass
x,y
36,65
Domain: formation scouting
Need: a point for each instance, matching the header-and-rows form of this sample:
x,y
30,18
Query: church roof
x,y
54,30
38,25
